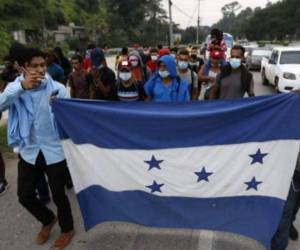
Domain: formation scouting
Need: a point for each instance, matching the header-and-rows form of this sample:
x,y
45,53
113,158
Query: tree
x,y
5,41
230,9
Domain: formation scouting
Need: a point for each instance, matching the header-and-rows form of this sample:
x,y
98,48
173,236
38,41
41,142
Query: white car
x,y
282,70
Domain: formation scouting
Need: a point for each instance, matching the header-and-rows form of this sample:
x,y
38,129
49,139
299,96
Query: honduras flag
x,y
215,165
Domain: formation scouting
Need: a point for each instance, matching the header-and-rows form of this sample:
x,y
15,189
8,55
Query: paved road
x,y
18,228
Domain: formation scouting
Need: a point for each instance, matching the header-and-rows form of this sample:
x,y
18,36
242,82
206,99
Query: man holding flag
x,y
31,129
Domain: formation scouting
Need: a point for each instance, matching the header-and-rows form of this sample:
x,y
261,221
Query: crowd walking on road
x,y
32,78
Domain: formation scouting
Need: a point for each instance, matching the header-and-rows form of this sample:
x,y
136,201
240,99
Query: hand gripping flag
x,y
221,165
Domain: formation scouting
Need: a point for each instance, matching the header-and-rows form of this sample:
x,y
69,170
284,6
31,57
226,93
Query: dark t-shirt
x,y
231,86
108,78
135,92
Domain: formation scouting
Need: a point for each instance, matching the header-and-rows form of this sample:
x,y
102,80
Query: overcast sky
x,y
210,10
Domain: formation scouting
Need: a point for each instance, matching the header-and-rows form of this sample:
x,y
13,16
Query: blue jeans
x,y
281,238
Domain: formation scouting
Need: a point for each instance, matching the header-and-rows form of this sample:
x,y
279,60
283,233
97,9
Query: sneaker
x,y
293,233
3,188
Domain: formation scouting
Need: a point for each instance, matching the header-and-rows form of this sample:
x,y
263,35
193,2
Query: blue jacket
x,y
176,91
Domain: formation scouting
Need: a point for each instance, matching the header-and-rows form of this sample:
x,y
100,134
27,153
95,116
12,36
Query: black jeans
x,y
281,238
2,170
28,178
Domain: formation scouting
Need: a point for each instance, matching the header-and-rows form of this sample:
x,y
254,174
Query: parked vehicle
x,y
282,70
255,56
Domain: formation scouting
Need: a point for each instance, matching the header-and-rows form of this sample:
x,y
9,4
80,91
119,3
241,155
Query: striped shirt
x,y
132,93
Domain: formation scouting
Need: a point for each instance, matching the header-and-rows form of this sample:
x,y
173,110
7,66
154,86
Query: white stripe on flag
x,y
230,165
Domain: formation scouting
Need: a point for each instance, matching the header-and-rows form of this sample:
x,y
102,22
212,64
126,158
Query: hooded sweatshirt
x,y
176,91
141,73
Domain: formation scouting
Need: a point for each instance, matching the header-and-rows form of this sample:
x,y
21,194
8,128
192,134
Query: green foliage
x,y
5,41
278,21
4,148
114,22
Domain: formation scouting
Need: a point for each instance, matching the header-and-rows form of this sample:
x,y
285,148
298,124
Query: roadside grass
x,y
4,148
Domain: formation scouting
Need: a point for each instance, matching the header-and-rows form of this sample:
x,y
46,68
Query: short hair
x,y
25,55
216,32
159,46
77,57
184,52
58,51
50,52
195,48
91,46
239,47
194,57
124,51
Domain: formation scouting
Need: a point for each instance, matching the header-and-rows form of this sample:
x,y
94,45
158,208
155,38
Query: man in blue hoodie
x,y
166,85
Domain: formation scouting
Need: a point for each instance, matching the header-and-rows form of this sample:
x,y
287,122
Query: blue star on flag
x,y
153,163
253,184
155,187
203,175
258,157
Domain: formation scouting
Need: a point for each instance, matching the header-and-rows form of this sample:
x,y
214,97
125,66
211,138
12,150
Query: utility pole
x,y
198,22
171,25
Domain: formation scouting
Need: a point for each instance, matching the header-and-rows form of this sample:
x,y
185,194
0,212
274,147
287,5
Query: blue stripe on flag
x,y
256,217
177,125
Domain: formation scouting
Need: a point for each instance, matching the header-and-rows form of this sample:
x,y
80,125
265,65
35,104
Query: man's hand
x,y
32,80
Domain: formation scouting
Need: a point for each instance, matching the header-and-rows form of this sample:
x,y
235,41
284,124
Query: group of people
x,y
146,74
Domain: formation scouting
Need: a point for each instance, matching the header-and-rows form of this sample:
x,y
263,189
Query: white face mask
x,y
163,74
183,65
125,76
154,58
235,63
134,63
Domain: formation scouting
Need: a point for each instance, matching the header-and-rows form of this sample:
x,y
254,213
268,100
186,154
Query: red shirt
x,y
87,64
152,66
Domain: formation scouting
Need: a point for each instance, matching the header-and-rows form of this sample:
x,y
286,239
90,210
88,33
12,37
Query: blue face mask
x,y
235,63
183,65
163,74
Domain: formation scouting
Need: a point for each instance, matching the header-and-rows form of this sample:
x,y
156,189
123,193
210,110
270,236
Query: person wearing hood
x,y
104,79
165,85
31,128
140,71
